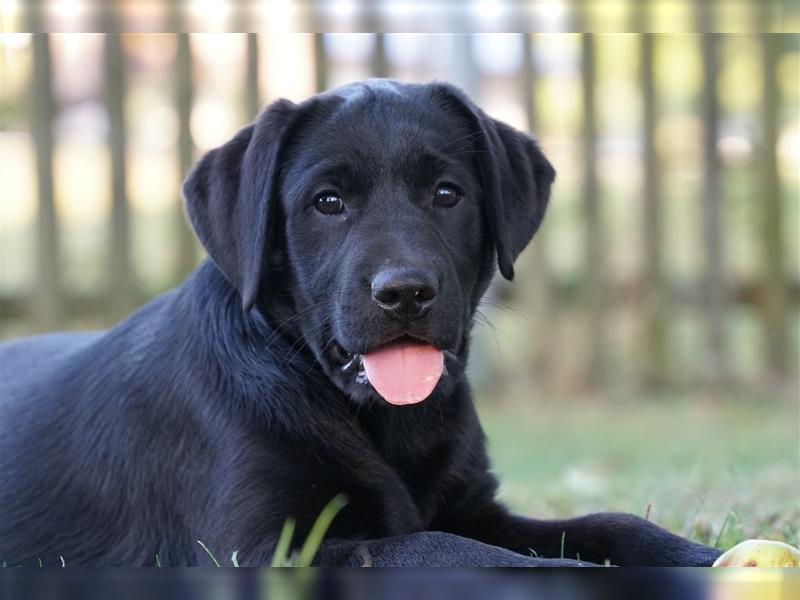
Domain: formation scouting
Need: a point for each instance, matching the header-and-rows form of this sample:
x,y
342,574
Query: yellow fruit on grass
x,y
760,553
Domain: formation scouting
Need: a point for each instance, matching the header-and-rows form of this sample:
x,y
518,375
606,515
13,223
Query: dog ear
x,y
515,176
231,198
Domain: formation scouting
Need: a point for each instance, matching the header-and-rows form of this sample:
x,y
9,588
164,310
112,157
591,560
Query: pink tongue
x,y
404,372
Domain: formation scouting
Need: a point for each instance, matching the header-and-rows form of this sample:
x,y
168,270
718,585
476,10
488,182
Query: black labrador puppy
x,y
321,350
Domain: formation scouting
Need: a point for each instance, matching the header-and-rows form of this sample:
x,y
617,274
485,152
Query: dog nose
x,y
405,292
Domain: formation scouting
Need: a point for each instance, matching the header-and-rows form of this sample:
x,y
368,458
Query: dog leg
x,y
616,538
427,549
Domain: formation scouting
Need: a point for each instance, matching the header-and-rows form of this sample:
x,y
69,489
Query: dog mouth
x,y
403,371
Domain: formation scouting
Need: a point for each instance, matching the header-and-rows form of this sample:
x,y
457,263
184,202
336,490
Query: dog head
x,y
365,223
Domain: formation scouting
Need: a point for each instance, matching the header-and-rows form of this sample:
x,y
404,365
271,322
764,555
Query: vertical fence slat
x,y
49,294
120,288
775,301
541,277
187,249
465,72
595,238
320,63
655,327
252,99
379,64
714,292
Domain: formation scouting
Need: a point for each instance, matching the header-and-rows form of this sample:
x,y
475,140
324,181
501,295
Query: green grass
x,y
282,556
305,555
715,470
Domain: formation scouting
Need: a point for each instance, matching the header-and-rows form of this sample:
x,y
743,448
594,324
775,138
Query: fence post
x,y
465,72
595,239
120,287
379,65
187,250
775,301
252,100
714,293
49,291
655,331
541,279
320,63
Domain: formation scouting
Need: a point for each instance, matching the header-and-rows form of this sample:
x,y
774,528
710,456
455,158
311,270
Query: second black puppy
x,y
320,350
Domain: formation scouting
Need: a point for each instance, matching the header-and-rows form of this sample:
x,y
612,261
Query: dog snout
x,y
405,293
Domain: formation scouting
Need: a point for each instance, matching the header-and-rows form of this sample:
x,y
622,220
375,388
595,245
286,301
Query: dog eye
x,y
328,203
446,195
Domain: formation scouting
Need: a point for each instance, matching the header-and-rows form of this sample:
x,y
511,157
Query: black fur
x,y
221,408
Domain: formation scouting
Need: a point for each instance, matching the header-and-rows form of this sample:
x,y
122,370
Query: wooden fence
x,y
773,294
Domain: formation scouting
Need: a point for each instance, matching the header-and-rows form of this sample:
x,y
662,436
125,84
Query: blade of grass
x,y
234,559
158,561
722,529
319,529
279,557
216,562
563,539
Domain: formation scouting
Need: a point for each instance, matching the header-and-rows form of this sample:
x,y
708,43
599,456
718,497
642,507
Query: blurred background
x,y
646,356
